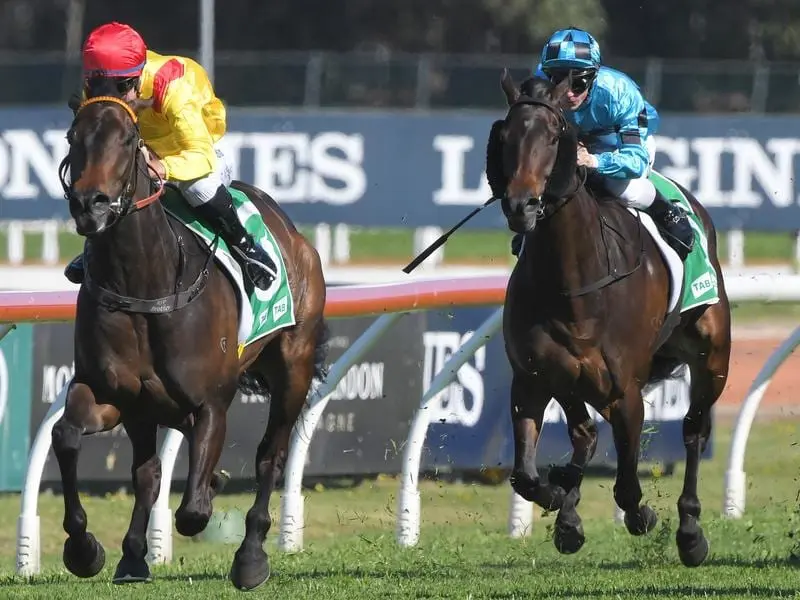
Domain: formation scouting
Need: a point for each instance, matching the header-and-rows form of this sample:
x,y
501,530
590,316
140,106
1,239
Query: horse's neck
x,y
136,257
566,248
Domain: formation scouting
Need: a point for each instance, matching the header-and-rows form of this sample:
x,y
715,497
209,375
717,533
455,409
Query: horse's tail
x,y
321,351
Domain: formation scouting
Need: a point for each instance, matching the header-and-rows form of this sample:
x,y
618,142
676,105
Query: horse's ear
x,y
561,89
138,104
511,91
74,103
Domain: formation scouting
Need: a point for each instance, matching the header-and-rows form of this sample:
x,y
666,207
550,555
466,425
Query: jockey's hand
x,y
155,164
585,159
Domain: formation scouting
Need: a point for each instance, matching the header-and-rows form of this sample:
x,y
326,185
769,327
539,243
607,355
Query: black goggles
x,y
581,80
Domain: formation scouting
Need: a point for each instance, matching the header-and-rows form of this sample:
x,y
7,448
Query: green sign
x,y
15,406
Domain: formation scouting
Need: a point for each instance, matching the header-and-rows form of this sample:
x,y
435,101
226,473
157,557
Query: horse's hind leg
x,y
528,403
568,535
626,418
83,554
146,475
709,373
206,439
289,373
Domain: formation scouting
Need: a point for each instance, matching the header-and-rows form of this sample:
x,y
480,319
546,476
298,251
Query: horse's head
x,y
103,161
532,153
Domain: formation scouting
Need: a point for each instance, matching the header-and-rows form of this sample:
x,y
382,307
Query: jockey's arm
x,y
630,159
196,158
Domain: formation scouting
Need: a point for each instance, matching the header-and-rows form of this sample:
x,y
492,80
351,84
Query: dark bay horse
x,y
586,320
156,344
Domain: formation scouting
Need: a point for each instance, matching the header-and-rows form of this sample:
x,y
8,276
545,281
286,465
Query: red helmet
x,y
114,50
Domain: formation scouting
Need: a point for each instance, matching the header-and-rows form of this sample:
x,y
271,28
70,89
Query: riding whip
x,y
443,238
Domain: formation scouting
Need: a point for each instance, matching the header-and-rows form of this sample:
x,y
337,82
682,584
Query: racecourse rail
x,y
389,302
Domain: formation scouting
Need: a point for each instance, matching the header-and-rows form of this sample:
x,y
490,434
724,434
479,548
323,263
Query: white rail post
x,y
520,516
159,528
735,248
50,242
735,477
16,242
424,237
341,243
290,538
322,242
408,513
28,540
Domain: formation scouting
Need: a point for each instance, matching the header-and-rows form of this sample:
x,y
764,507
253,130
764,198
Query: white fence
x,y
735,476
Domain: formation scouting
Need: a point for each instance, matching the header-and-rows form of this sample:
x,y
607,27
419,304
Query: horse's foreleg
x,y
83,554
206,439
528,403
250,566
568,533
146,474
626,417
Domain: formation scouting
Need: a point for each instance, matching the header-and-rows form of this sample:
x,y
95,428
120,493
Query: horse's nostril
x,y
99,198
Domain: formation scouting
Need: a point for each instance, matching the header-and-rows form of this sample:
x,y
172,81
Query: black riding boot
x,y
674,220
516,243
222,215
74,270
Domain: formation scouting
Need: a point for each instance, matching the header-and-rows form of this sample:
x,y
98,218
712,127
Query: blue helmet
x,y
571,48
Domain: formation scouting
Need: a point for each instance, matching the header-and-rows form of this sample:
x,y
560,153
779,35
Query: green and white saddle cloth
x,y
696,273
260,311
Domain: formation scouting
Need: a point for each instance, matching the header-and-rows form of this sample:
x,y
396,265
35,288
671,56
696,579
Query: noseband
x,y
124,204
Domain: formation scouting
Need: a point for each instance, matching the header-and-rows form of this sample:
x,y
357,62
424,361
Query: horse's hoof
x,y
219,481
189,522
249,569
568,540
132,570
549,497
642,521
84,558
566,477
692,549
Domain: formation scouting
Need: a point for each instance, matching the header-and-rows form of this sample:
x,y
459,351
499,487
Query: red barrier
x,y
343,301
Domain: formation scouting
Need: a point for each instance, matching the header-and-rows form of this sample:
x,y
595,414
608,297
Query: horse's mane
x,y
537,88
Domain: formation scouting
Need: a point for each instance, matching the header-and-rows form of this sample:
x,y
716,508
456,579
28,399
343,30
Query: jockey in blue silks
x,y
615,125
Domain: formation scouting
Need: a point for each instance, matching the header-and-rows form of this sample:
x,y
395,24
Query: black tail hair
x,y
253,383
321,351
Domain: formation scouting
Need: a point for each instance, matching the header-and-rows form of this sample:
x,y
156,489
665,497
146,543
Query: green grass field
x,y
464,551
369,246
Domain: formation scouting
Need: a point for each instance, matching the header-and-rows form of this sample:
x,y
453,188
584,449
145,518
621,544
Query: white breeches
x,y
640,192
199,191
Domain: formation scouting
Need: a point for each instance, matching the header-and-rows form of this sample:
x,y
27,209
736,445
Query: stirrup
x,y
255,269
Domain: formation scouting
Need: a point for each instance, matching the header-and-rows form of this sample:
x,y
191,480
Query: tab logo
x,y
280,308
701,285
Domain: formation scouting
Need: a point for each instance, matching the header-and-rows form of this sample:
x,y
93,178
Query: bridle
x,y
557,111
124,204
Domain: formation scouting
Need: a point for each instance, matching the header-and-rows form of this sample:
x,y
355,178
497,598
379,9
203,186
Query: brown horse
x,y
586,320
156,344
